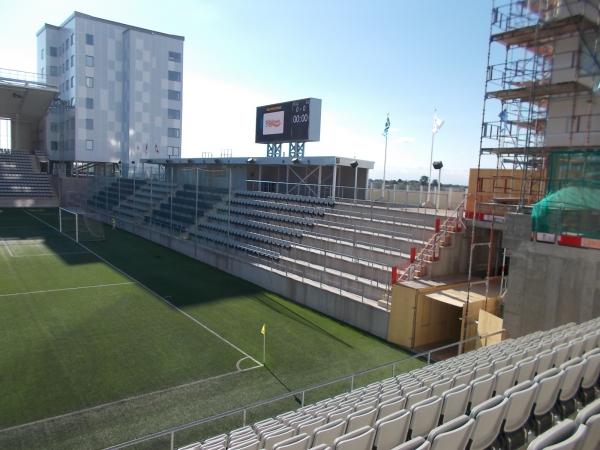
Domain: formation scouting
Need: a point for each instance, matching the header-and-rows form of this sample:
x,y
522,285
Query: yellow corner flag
x,y
263,330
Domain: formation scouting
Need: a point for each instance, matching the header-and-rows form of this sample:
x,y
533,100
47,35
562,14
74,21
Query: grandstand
x,y
339,245
508,394
21,184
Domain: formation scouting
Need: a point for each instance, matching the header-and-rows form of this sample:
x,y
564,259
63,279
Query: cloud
x,y
403,139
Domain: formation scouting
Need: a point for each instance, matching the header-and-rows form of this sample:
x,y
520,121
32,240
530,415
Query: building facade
x,y
120,93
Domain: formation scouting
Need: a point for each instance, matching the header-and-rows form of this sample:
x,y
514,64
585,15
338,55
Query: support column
x,y
319,182
260,178
333,184
287,179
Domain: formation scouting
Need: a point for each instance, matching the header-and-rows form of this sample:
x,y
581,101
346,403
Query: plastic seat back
x,y
591,371
520,403
271,439
592,438
453,435
565,435
361,418
545,361
549,385
488,417
441,386
392,430
455,402
360,439
425,416
526,369
573,374
326,434
417,396
482,389
417,443
298,442
505,379
390,406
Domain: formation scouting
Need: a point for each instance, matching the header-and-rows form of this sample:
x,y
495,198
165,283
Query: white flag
x,y
437,124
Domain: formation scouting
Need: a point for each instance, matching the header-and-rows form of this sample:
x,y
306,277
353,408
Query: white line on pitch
x,y
128,399
210,330
50,254
67,289
8,248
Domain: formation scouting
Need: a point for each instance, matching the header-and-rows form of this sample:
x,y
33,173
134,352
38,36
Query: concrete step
x,y
399,228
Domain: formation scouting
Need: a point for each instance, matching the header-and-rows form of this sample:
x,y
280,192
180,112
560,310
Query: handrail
x,y
433,245
299,394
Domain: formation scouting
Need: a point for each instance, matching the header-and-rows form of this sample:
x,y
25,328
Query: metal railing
x,y
240,416
23,78
430,252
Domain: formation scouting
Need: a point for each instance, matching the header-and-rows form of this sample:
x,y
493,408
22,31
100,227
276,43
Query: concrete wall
x,y
549,285
361,315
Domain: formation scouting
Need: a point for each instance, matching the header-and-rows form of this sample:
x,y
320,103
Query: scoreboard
x,y
295,121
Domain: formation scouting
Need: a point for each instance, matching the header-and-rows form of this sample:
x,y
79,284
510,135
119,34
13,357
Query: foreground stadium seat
x,y
453,435
327,433
417,443
424,416
566,435
392,430
361,418
298,442
488,417
549,383
590,417
520,403
360,439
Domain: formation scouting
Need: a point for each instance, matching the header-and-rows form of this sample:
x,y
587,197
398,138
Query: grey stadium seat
x,y
505,379
566,435
453,435
298,442
327,433
392,430
417,443
360,439
520,403
251,444
390,406
569,388
482,389
549,383
455,402
590,417
361,418
424,416
488,417
590,375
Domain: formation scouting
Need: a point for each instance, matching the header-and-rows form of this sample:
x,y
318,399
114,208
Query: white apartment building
x,y
120,93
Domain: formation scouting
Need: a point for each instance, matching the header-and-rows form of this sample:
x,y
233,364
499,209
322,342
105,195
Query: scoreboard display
x,y
295,121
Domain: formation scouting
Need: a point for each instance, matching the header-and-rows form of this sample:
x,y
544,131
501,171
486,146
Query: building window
x,y
53,51
53,71
71,39
174,75
54,145
174,133
42,72
67,64
53,127
89,103
89,39
89,61
67,43
89,82
42,54
173,151
174,95
175,56
72,101
174,114
89,145
72,60
72,82
89,124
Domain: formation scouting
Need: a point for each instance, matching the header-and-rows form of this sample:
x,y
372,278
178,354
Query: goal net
x,y
80,227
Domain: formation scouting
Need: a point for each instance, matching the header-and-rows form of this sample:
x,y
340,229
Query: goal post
x,y
78,226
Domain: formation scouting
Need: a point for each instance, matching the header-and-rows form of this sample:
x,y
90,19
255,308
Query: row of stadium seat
x,y
294,220
264,226
288,197
279,206
492,395
224,229
251,249
583,433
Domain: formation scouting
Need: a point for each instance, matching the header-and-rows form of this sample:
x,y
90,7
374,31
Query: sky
x,y
363,58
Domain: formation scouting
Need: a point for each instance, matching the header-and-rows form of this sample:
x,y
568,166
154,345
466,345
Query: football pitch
x,y
102,342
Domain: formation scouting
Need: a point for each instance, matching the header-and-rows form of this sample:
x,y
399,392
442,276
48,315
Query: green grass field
x,y
88,325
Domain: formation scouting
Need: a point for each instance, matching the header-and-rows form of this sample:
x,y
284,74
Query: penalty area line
x,y
125,274
44,291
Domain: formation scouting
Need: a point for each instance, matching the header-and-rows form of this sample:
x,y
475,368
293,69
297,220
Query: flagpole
x,y
430,165
385,133
264,348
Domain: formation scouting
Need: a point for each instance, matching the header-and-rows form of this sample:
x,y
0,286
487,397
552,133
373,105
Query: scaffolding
x,y
542,73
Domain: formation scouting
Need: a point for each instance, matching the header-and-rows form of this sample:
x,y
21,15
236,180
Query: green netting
x,y
572,204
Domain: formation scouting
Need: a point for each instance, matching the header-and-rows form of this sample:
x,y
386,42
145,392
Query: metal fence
x,y
203,428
